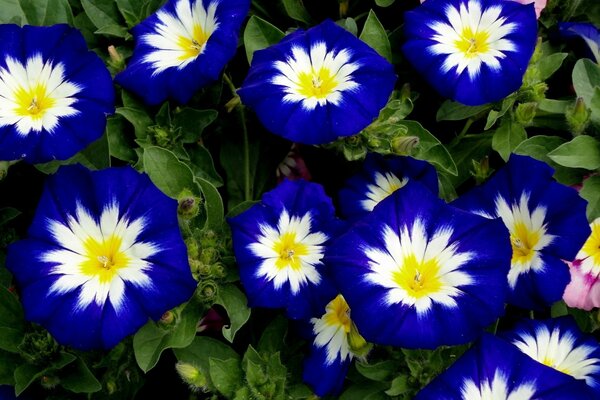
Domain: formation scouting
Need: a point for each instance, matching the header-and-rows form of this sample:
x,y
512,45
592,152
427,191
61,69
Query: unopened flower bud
x,y
192,376
188,205
359,346
49,381
578,117
404,145
207,291
525,113
168,318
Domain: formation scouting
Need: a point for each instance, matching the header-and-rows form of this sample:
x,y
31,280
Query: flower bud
x,y
188,205
578,117
525,113
192,376
404,145
49,381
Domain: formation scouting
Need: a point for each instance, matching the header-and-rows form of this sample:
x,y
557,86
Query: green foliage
x,y
235,303
260,34
374,35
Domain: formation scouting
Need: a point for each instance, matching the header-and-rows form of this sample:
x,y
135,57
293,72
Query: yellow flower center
x,y
591,247
289,251
552,364
338,313
418,278
473,43
319,84
33,102
523,241
104,258
192,46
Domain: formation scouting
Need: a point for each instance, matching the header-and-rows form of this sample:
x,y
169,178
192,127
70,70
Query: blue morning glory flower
x,y
279,245
182,47
380,177
104,253
472,51
336,341
317,85
547,224
586,31
418,273
51,85
493,369
560,344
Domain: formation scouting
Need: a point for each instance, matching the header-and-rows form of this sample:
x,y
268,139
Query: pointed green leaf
x,y
374,35
455,111
235,303
78,378
507,137
591,192
226,375
260,34
295,9
586,76
581,152
169,174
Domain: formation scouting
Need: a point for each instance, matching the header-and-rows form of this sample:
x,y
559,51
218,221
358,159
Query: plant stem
x,y
246,142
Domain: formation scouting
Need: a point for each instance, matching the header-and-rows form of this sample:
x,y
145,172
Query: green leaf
x,y
241,207
192,123
548,65
399,386
380,372
447,190
47,12
130,10
235,303
11,12
591,192
271,340
559,309
260,34
102,13
374,35
430,148
138,118
78,378
213,204
12,324
9,362
494,115
507,137
586,76
581,152
113,30
26,374
455,111
553,106
118,144
349,24
366,391
201,350
169,174
226,375
202,165
384,3
7,214
152,339
295,9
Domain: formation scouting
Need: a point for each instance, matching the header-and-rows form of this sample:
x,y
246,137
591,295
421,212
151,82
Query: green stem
x,y
246,142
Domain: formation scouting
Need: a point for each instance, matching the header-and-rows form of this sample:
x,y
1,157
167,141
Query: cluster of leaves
x,y
216,159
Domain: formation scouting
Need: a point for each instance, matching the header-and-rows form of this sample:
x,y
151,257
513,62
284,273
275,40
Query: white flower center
x,y
527,235
290,251
472,37
99,258
416,270
179,39
34,96
317,78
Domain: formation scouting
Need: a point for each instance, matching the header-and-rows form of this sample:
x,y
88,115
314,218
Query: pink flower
x,y
584,289
539,4
293,166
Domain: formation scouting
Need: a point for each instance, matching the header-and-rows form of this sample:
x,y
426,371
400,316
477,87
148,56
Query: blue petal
x,y
324,379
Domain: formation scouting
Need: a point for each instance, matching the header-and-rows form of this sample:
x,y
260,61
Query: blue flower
x,y
472,51
547,224
182,47
380,177
317,85
103,254
560,344
279,245
583,30
493,369
418,273
51,86
336,342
